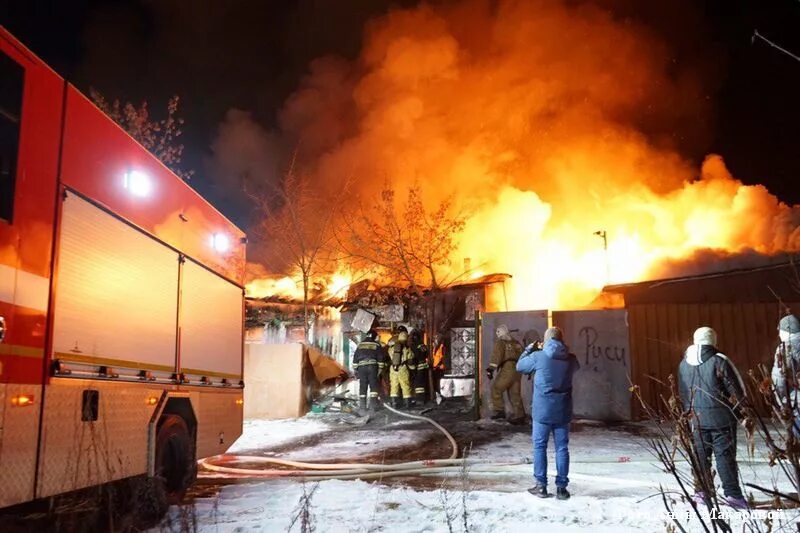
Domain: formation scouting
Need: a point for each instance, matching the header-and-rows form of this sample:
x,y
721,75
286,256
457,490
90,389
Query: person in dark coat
x,y
711,388
553,367
421,366
369,360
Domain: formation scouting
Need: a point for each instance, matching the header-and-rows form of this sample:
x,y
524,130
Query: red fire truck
x,y
121,300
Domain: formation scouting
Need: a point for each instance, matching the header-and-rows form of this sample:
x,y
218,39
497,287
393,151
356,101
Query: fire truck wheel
x,y
175,461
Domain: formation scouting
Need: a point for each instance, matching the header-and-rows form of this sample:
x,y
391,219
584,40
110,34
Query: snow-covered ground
x,y
259,434
614,481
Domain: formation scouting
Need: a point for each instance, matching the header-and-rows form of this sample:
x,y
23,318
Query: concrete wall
x,y
601,388
273,376
599,339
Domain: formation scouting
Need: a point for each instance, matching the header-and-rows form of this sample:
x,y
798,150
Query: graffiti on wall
x,y
592,353
601,387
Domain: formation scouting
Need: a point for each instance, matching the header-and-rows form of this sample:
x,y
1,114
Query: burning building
x,y
545,122
559,131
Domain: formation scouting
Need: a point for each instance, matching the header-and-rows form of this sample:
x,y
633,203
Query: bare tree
x,y
409,244
159,137
770,418
295,224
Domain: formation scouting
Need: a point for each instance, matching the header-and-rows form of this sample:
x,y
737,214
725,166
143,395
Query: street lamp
x,y
604,235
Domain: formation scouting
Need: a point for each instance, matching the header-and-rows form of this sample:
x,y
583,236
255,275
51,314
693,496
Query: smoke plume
x,y
549,121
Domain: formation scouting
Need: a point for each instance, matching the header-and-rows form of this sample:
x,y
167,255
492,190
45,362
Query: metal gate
x,y
599,339
601,387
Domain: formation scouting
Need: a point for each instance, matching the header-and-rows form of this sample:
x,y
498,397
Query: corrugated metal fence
x,y
660,332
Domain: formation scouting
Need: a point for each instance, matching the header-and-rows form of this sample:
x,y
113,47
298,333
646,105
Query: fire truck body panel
x,y
32,107
116,292
211,310
98,158
25,249
120,296
75,454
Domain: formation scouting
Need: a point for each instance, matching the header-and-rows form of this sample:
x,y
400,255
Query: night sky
x,y
250,55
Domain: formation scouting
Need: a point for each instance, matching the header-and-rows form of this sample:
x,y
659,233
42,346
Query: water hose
x,y
433,422
402,469
320,471
369,471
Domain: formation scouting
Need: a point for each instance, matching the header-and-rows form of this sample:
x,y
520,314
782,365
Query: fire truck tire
x,y
175,462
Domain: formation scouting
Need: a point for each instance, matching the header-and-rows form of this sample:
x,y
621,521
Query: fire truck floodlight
x,y
220,242
138,183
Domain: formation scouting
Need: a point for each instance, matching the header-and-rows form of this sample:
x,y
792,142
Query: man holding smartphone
x,y
553,367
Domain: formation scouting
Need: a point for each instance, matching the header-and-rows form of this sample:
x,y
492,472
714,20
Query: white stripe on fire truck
x,y
24,289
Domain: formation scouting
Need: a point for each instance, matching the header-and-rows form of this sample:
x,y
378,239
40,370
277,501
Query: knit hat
x,y
705,335
789,324
553,333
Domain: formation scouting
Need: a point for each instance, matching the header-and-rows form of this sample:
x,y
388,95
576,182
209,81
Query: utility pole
x,y
604,235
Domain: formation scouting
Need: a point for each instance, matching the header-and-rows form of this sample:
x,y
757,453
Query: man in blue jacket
x,y
553,367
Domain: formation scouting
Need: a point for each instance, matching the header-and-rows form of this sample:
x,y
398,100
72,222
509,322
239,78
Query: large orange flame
x,y
549,121
560,264
332,287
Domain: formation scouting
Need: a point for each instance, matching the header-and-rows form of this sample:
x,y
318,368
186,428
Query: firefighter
x,y
401,361
368,361
421,366
504,360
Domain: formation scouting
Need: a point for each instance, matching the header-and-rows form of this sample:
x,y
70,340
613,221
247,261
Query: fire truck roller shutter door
x,y
117,291
211,347
211,324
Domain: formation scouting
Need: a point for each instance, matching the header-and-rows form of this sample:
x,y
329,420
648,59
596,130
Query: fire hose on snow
x,y
366,471
308,471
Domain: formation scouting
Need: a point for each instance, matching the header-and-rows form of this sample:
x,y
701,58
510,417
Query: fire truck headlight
x,y
220,242
138,183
